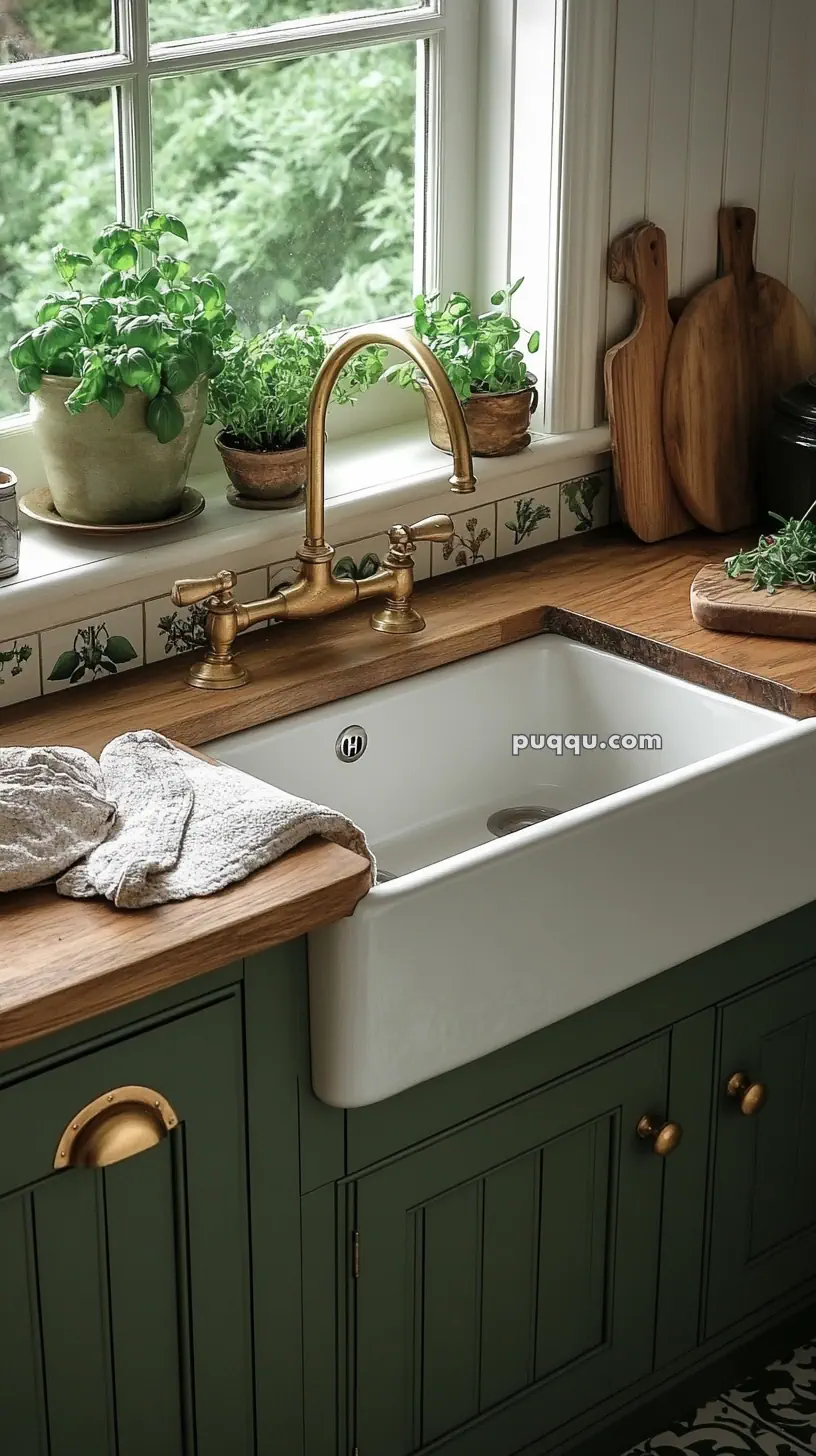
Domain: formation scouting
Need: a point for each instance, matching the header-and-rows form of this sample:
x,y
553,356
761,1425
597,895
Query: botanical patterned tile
x,y
527,520
473,542
19,670
363,558
784,1396
171,630
718,1429
585,503
85,652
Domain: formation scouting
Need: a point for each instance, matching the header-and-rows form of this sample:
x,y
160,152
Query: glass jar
x,y
9,528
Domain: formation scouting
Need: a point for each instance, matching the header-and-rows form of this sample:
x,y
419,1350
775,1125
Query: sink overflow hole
x,y
351,744
508,821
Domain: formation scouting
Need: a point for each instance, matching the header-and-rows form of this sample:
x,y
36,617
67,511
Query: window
x,y
322,156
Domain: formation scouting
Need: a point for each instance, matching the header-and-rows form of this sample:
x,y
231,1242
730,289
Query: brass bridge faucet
x,y
316,592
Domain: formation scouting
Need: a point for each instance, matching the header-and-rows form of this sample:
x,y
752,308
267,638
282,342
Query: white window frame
x,y
446,80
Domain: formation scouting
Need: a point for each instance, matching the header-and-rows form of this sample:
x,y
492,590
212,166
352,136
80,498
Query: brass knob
x,y
751,1095
117,1125
664,1136
404,539
187,592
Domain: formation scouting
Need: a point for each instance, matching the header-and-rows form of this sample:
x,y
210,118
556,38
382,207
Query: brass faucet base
x,y
208,674
399,620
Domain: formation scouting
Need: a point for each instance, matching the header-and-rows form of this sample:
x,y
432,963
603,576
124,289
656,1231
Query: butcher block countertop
x,y
63,961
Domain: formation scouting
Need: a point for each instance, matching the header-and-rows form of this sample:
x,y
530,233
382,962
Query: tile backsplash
x,y
75,654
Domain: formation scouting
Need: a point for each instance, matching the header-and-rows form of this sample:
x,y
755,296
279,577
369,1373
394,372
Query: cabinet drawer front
x,y
489,1261
125,1322
763,1242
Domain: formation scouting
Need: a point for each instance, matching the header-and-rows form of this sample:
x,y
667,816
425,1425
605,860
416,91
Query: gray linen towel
x,y
186,827
53,810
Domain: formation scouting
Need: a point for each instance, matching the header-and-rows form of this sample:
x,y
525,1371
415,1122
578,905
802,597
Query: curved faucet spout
x,y
462,480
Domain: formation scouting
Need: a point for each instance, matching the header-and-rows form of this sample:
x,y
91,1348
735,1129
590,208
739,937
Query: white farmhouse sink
x,y
654,855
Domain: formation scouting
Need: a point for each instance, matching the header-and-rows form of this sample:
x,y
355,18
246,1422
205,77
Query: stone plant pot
x,y
113,472
263,475
498,424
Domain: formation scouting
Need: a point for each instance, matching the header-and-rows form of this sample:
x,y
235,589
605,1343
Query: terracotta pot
x,y
498,424
108,472
264,475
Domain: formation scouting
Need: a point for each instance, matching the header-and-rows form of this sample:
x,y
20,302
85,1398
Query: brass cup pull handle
x,y
664,1136
751,1096
115,1126
188,592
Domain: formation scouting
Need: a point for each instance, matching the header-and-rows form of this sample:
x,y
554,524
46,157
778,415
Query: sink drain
x,y
509,821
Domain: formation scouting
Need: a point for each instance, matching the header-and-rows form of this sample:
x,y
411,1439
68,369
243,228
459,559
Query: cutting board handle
x,y
639,258
737,226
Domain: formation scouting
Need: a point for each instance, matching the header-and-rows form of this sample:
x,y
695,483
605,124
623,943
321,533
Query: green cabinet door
x,y
124,1299
507,1272
763,1232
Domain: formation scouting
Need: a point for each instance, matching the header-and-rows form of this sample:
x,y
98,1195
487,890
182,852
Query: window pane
x,y
57,186
186,19
32,30
296,180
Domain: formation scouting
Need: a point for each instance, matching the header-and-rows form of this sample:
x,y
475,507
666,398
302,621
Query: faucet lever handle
x,y
197,589
404,539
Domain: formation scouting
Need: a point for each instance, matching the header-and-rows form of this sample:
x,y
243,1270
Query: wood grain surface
x,y
64,960
738,343
726,605
61,961
633,376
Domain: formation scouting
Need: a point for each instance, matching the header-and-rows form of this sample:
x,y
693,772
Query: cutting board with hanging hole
x,y
633,376
725,604
737,344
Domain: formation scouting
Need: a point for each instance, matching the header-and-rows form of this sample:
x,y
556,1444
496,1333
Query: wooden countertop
x,y
62,961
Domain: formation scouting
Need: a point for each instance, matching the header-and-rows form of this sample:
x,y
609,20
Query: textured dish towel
x,y
53,810
186,827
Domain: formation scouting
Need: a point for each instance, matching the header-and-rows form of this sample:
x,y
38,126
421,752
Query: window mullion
x,y
132,112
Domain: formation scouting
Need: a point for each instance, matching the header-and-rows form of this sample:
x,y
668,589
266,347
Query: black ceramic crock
x,y
787,482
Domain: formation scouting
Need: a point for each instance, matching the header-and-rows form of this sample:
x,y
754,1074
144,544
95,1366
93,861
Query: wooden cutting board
x,y
633,376
738,343
727,605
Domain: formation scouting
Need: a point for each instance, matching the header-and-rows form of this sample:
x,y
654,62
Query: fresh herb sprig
x,y
261,397
478,352
787,558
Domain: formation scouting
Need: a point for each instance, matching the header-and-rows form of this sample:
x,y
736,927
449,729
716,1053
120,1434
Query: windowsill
x,y
372,480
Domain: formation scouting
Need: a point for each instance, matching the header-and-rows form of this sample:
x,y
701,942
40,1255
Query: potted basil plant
x,y
481,356
117,374
261,400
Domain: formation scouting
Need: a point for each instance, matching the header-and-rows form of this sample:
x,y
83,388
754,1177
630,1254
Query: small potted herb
x,y
261,399
118,373
481,357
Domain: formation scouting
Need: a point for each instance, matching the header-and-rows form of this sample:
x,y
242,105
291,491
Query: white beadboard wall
x,y
715,102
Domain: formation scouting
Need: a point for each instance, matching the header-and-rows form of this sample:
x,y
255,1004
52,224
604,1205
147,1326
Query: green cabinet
x,y
763,1216
490,1263
506,1270
125,1294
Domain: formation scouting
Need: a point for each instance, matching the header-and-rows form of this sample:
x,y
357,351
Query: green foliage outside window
x,y
295,178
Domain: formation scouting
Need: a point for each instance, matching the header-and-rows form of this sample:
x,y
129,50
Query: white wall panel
x,y
715,101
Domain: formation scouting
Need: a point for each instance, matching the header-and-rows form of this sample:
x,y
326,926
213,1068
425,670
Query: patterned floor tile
x,y
719,1429
784,1396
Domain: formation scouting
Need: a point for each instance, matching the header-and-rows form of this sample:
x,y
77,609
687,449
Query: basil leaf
x,y
111,284
29,379
142,332
24,352
180,371
112,399
165,418
139,371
